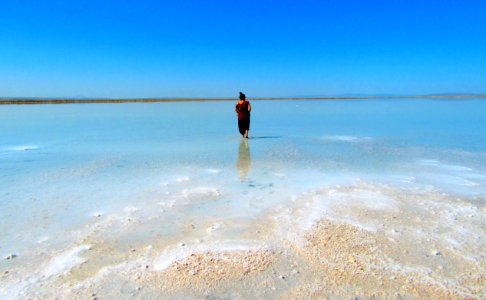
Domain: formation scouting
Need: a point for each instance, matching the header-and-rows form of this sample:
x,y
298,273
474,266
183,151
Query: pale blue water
x,y
60,164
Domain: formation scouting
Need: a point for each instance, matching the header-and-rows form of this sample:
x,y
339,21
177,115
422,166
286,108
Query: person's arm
x,y
249,107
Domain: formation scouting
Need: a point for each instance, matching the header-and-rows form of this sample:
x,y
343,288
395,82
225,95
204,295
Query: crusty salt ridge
x,y
181,252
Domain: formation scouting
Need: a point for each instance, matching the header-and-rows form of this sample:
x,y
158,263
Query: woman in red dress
x,y
243,109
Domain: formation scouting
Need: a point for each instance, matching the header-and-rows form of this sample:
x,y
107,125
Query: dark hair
x,y
242,96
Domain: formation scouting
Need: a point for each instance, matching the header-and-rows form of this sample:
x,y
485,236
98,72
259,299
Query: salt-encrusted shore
x,y
390,244
337,261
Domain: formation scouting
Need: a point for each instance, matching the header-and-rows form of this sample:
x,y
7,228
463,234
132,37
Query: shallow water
x,y
182,173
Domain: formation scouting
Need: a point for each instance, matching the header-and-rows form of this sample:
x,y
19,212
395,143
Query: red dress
x,y
243,111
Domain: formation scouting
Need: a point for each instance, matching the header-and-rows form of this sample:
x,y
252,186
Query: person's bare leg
x,y
246,134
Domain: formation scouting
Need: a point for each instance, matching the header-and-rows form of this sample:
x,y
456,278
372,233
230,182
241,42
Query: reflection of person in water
x,y
243,109
244,159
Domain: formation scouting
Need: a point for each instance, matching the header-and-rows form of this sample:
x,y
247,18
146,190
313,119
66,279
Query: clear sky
x,y
120,48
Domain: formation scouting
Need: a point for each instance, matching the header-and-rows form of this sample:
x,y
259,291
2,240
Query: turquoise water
x,y
64,167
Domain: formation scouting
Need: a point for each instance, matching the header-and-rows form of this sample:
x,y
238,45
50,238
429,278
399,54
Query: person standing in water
x,y
243,109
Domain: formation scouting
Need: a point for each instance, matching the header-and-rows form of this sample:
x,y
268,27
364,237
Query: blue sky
x,y
218,48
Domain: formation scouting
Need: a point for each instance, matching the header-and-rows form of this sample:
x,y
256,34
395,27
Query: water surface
x,y
64,168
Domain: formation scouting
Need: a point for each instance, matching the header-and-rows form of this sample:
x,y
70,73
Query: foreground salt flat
x,y
142,203
417,245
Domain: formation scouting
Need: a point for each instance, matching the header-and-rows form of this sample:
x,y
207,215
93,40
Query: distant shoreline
x,y
27,101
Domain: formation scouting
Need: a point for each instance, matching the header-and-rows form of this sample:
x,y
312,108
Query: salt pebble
x,y
437,252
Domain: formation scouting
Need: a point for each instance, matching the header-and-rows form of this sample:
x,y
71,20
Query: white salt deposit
x,y
214,227
65,262
213,171
42,239
22,148
346,138
183,179
131,209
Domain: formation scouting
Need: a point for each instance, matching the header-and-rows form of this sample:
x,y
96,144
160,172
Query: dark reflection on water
x,y
244,159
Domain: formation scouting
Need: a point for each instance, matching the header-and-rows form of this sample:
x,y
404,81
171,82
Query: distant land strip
x,y
26,101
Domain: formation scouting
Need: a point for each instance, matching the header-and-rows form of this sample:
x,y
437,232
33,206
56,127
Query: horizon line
x,y
98,100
